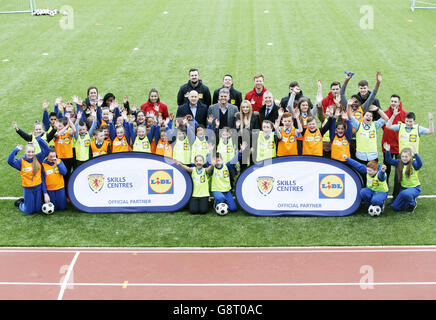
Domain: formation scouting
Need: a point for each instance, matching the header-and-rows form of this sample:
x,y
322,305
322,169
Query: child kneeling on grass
x,y
200,195
220,185
407,171
53,172
31,177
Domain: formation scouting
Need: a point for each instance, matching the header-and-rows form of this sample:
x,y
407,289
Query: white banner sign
x,y
129,182
299,186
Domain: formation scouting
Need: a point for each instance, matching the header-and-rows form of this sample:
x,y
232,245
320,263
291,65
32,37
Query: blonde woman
x,y
247,120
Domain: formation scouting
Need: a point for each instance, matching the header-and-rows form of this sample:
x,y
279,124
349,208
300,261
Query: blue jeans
x,y
406,198
373,198
225,197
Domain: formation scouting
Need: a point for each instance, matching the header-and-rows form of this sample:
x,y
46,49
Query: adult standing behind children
x,y
269,111
223,112
154,106
235,95
391,137
194,108
255,96
196,84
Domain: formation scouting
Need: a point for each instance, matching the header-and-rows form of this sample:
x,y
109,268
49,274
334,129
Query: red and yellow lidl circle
x,y
331,186
160,181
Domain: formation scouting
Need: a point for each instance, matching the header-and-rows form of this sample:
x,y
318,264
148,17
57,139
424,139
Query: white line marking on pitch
x,y
224,284
67,276
225,251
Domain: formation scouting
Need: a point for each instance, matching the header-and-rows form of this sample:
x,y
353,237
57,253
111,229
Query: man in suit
x,y
269,111
193,107
223,112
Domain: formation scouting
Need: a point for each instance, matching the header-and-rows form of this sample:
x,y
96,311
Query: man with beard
x,y
255,96
235,95
196,84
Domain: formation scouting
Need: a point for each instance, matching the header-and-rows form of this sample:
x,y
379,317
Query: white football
x,y
48,208
377,210
222,209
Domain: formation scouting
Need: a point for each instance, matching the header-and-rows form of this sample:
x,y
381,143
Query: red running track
x,y
283,273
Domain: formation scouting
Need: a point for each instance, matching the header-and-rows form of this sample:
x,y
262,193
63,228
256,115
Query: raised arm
x,y
371,98
15,163
430,123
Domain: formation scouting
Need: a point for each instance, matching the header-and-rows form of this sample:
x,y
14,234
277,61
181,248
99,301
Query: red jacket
x,y
328,101
255,99
148,107
391,136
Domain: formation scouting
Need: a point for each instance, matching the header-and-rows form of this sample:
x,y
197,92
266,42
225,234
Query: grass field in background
x,y
310,39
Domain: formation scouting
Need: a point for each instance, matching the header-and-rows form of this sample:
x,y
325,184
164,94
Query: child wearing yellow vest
x,y
82,139
357,109
376,191
265,142
366,132
141,139
31,175
53,180
185,136
49,121
220,185
201,144
200,180
37,131
409,133
407,169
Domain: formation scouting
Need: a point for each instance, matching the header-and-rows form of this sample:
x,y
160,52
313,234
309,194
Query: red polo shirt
x,y
391,136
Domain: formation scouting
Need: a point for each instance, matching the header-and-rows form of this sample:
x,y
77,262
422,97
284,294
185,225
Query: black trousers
x,y
199,205
397,186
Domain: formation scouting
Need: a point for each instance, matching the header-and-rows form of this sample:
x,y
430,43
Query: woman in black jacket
x,y
247,120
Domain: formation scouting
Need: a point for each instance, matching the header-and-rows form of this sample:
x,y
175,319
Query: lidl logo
x,y
412,138
160,182
331,186
96,182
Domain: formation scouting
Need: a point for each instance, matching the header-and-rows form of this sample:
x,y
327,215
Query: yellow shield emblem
x,y
96,182
265,184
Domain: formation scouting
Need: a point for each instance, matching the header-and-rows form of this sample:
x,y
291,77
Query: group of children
x,y
76,132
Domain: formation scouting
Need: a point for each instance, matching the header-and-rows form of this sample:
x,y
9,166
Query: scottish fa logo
x,y
96,182
265,185
331,186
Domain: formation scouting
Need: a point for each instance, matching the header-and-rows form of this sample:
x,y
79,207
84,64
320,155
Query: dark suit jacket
x,y
200,116
272,116
231,111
